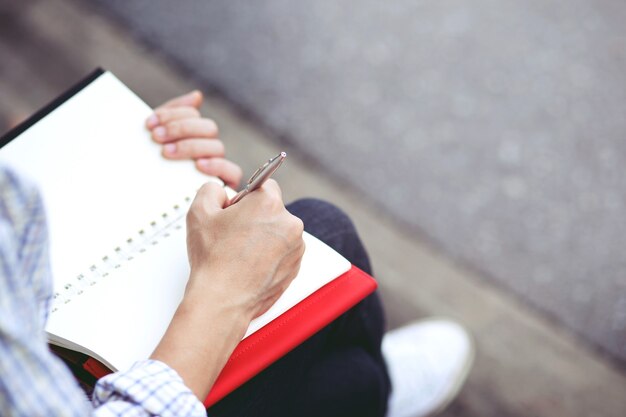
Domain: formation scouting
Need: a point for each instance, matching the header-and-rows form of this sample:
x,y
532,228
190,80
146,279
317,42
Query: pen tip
x,y
283,154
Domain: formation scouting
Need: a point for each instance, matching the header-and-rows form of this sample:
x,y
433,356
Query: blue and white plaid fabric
x,y
33,382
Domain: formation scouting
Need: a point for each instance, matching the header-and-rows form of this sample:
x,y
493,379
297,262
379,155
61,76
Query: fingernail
x,y
204,163
170,148
160,132
152,121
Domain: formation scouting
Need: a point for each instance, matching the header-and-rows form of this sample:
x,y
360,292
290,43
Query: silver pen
x,y
260,176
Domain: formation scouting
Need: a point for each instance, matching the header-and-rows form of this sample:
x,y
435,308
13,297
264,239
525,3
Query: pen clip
x,y
259,176
258,171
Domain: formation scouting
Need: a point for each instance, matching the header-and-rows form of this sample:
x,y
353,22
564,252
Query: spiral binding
x,y
162,227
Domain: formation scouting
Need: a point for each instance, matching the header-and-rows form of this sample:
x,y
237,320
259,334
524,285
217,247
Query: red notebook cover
x,y
277,338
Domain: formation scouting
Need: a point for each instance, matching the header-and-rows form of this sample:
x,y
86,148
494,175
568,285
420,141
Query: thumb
x,y
212,196
193,99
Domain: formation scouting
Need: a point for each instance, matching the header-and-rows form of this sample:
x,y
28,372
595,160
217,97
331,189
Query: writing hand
x,y
242,258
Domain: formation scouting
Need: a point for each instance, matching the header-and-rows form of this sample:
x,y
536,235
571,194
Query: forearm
x,y
200,339
242,258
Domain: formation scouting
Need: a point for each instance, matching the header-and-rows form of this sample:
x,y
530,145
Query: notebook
x,y
116,216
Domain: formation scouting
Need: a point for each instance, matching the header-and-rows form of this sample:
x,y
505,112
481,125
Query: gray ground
x,y
526,365
496,129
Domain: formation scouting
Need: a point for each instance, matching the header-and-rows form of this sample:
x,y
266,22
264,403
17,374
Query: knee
x,y
333,227
319,215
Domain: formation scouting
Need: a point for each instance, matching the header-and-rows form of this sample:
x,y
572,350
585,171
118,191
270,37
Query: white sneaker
x,y
428,362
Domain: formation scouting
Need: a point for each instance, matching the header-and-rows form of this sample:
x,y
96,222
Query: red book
x,y
277,338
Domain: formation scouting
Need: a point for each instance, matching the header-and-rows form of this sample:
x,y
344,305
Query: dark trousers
x,y
339,371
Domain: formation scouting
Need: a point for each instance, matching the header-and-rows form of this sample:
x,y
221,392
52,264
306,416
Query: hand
x,y
242,258
185,134
246,254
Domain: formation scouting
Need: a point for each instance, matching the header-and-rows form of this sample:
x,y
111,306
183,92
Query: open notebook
x,y
116,214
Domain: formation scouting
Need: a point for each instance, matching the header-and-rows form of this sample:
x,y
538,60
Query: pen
x,y
260,176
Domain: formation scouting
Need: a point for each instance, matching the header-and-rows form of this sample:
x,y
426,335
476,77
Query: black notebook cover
x,y
19,129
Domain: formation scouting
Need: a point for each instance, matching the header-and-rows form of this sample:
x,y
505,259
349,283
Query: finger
x,y
268,198
193,99
228,171
212,196
165,115
271,187
194,149
187,128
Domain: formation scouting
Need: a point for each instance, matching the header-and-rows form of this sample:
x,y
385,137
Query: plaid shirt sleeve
x,y
33,382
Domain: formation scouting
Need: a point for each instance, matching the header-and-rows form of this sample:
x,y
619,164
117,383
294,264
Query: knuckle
x,y
202,191
174,129
297,226
271,187
277,202
268,204
193,148
205,189
190,148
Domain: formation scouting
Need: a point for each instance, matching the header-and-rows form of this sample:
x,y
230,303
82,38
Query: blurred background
x,y
478,145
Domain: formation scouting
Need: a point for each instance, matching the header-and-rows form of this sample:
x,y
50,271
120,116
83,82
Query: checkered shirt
x,y
33,382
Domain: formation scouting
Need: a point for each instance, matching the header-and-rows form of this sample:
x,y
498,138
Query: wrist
x,y
229,323
206,296
204,331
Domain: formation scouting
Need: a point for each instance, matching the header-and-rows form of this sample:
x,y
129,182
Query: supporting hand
x,y
185,134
